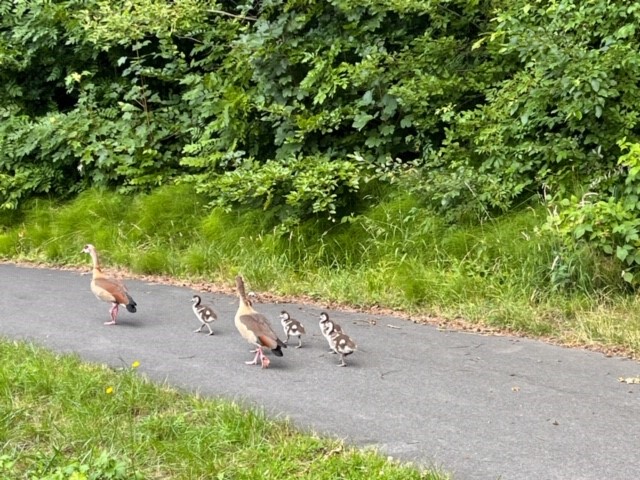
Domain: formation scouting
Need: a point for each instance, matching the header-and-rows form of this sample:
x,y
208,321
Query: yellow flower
x,y
135,364
108,390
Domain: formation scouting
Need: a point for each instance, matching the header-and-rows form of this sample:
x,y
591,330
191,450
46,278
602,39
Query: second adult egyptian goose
x,y
205,314
292,327
255,328
108,289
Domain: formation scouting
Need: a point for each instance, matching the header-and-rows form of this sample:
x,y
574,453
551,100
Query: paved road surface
x,y
479,407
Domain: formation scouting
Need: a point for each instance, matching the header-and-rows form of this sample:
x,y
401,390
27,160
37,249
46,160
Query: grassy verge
x,y
64,419
508,273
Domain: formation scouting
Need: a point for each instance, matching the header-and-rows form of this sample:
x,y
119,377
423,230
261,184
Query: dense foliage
x,y
294,105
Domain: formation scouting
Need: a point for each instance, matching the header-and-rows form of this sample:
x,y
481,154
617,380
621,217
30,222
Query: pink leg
x,y
114,314
264,360
255,359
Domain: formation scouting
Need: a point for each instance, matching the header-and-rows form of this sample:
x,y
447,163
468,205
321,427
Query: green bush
x,y
295,108
608,218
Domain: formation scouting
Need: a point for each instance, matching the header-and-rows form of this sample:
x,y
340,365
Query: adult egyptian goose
x,y
291,327
255,328
327,327
108,289
205,314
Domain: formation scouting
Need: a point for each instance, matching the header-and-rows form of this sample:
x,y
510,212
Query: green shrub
x,y
607,219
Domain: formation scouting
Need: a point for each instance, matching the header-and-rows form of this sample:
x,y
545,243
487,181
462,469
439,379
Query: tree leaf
x,y
621,253
360,120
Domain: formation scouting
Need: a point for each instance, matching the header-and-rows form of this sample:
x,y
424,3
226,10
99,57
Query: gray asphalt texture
x,y
479,407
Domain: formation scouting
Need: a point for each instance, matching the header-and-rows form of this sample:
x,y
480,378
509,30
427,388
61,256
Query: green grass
x,y
62,419
508,273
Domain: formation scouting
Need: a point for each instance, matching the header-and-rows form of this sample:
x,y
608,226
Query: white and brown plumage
x,y
339,341
255,328
108,289
205,314
327,327
292,327
342,344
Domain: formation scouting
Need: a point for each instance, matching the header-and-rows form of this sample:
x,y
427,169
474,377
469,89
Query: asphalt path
x,y
479,407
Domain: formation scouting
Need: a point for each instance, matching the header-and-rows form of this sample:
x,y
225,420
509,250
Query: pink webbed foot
x,y
264,361
255,359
